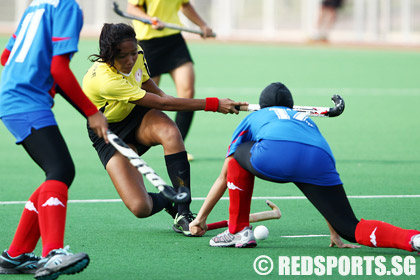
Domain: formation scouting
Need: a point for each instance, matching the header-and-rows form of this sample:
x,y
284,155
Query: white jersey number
x,y
29,28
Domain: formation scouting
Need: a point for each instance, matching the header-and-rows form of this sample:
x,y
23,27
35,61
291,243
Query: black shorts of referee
x,y
165,54
332,3
125,129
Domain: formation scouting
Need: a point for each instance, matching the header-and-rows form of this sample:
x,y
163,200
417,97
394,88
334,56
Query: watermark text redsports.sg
x,y
333,265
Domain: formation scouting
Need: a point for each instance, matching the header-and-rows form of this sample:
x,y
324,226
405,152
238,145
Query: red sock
x,y
380,234
27,233
52,206
241,185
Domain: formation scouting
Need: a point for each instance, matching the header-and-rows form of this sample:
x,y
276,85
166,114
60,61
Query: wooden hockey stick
x,y
274,213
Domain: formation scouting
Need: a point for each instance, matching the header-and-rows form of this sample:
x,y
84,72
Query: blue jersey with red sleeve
x,y
47,28
278,123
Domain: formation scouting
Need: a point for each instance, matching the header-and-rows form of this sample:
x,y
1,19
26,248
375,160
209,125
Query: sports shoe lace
x,y
190,217
31,255
62,251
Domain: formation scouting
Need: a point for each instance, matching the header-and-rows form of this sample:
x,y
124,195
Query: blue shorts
x,y
287,161
20,125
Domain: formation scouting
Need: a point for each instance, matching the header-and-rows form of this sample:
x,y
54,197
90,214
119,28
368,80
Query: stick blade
x,y
116,8
182,196
338,109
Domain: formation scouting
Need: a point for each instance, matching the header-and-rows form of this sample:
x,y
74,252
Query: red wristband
x,y
212,104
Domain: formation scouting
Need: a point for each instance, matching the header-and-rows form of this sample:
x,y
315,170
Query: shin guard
x,y
240,183
380,234
52,207
28,233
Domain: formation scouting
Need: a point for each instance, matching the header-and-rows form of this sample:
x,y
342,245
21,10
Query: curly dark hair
x,y
111,36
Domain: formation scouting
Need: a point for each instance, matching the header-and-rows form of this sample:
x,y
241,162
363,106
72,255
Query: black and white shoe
x,y
182,223
61,261
22,264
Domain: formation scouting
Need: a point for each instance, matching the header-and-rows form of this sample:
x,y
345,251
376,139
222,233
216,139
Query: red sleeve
x,y
65,78
5,56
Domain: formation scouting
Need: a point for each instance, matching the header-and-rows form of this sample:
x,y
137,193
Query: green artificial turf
x,y
375,142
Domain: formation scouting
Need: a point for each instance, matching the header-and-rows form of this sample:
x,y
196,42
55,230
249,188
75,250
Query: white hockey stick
x,y
311,111
183,194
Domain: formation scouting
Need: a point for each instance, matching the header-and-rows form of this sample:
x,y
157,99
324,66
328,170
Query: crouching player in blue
x,y
35,58
281,145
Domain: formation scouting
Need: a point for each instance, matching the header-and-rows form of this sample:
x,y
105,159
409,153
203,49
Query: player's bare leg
x,y
158,128
130,185
184,79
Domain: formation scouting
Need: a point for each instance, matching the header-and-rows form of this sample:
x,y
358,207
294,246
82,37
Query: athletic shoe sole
x,y
73,265
250,244
16,271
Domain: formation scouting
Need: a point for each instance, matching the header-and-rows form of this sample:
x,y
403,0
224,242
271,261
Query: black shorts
x,y
165,54
332,3
126,130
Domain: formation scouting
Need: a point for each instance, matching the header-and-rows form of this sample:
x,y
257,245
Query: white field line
x,y
254,198
305,236
226,198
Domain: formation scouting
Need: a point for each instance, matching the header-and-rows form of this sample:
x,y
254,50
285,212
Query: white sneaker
x,y
61,261
243,239
415,242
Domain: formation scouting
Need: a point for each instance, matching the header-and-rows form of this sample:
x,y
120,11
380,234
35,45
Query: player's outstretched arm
x,y
224,106
189,11
335,239
198,227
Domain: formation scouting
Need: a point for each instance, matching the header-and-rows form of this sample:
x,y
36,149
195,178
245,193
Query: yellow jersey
x,y
106,87
165,10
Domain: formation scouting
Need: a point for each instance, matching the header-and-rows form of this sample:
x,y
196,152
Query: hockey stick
x,y
118,11
180,197
274,213
311,111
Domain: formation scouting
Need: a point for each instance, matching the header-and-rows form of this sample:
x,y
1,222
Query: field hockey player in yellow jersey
x,y
166,50
119,85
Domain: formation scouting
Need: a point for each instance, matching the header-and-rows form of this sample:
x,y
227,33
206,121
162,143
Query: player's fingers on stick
x,y
224,106
196,230
207,32
237,106
227,106
105,135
